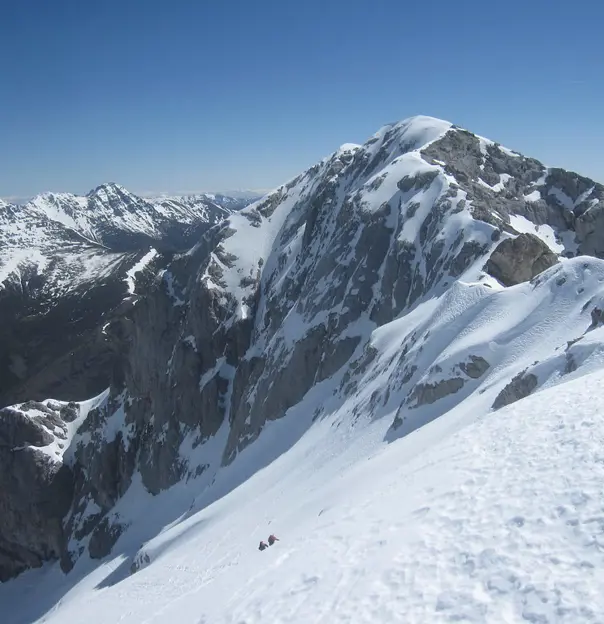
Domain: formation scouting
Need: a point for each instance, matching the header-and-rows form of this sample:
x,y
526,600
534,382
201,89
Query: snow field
x,y
499,520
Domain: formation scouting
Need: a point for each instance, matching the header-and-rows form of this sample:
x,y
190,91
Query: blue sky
x,y
175,96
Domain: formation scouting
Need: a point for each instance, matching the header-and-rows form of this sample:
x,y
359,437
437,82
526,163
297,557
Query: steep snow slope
x,y
358,520
476,517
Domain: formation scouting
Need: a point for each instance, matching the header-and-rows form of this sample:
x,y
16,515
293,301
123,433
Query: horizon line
x,y
254,192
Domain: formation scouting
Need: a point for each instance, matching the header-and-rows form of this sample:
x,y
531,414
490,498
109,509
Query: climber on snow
x,y
272,539
262,546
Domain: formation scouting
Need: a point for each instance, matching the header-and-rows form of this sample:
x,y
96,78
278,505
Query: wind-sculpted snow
x,y
363,295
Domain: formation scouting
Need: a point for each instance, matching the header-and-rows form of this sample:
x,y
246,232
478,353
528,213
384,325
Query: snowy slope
x,y
467,519
368,273
315,365
449,521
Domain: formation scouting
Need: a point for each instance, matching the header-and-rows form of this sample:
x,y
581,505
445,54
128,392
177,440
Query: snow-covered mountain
x,y
228,203
109,217
65,263
285,374
118,219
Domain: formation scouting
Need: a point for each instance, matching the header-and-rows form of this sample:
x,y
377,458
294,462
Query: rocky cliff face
x,y
353,291
36,488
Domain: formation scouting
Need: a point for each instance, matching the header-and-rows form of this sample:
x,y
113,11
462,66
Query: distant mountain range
x,y
66,261
242,197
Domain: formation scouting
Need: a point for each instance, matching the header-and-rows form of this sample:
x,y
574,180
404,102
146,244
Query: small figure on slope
x,y
263,546
272,539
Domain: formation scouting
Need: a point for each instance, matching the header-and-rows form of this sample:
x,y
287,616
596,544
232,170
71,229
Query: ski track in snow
x,y
499,521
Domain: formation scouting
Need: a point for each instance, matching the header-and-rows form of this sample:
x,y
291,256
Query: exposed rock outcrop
x,y
520,259
61,352
424,394
597,317
476,367
35,492
520,387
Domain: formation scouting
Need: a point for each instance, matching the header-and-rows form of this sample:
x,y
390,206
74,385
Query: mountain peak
x,y
109,188
417,125
49,196
409,135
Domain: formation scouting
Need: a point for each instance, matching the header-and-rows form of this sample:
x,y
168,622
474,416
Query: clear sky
x,y
177,96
